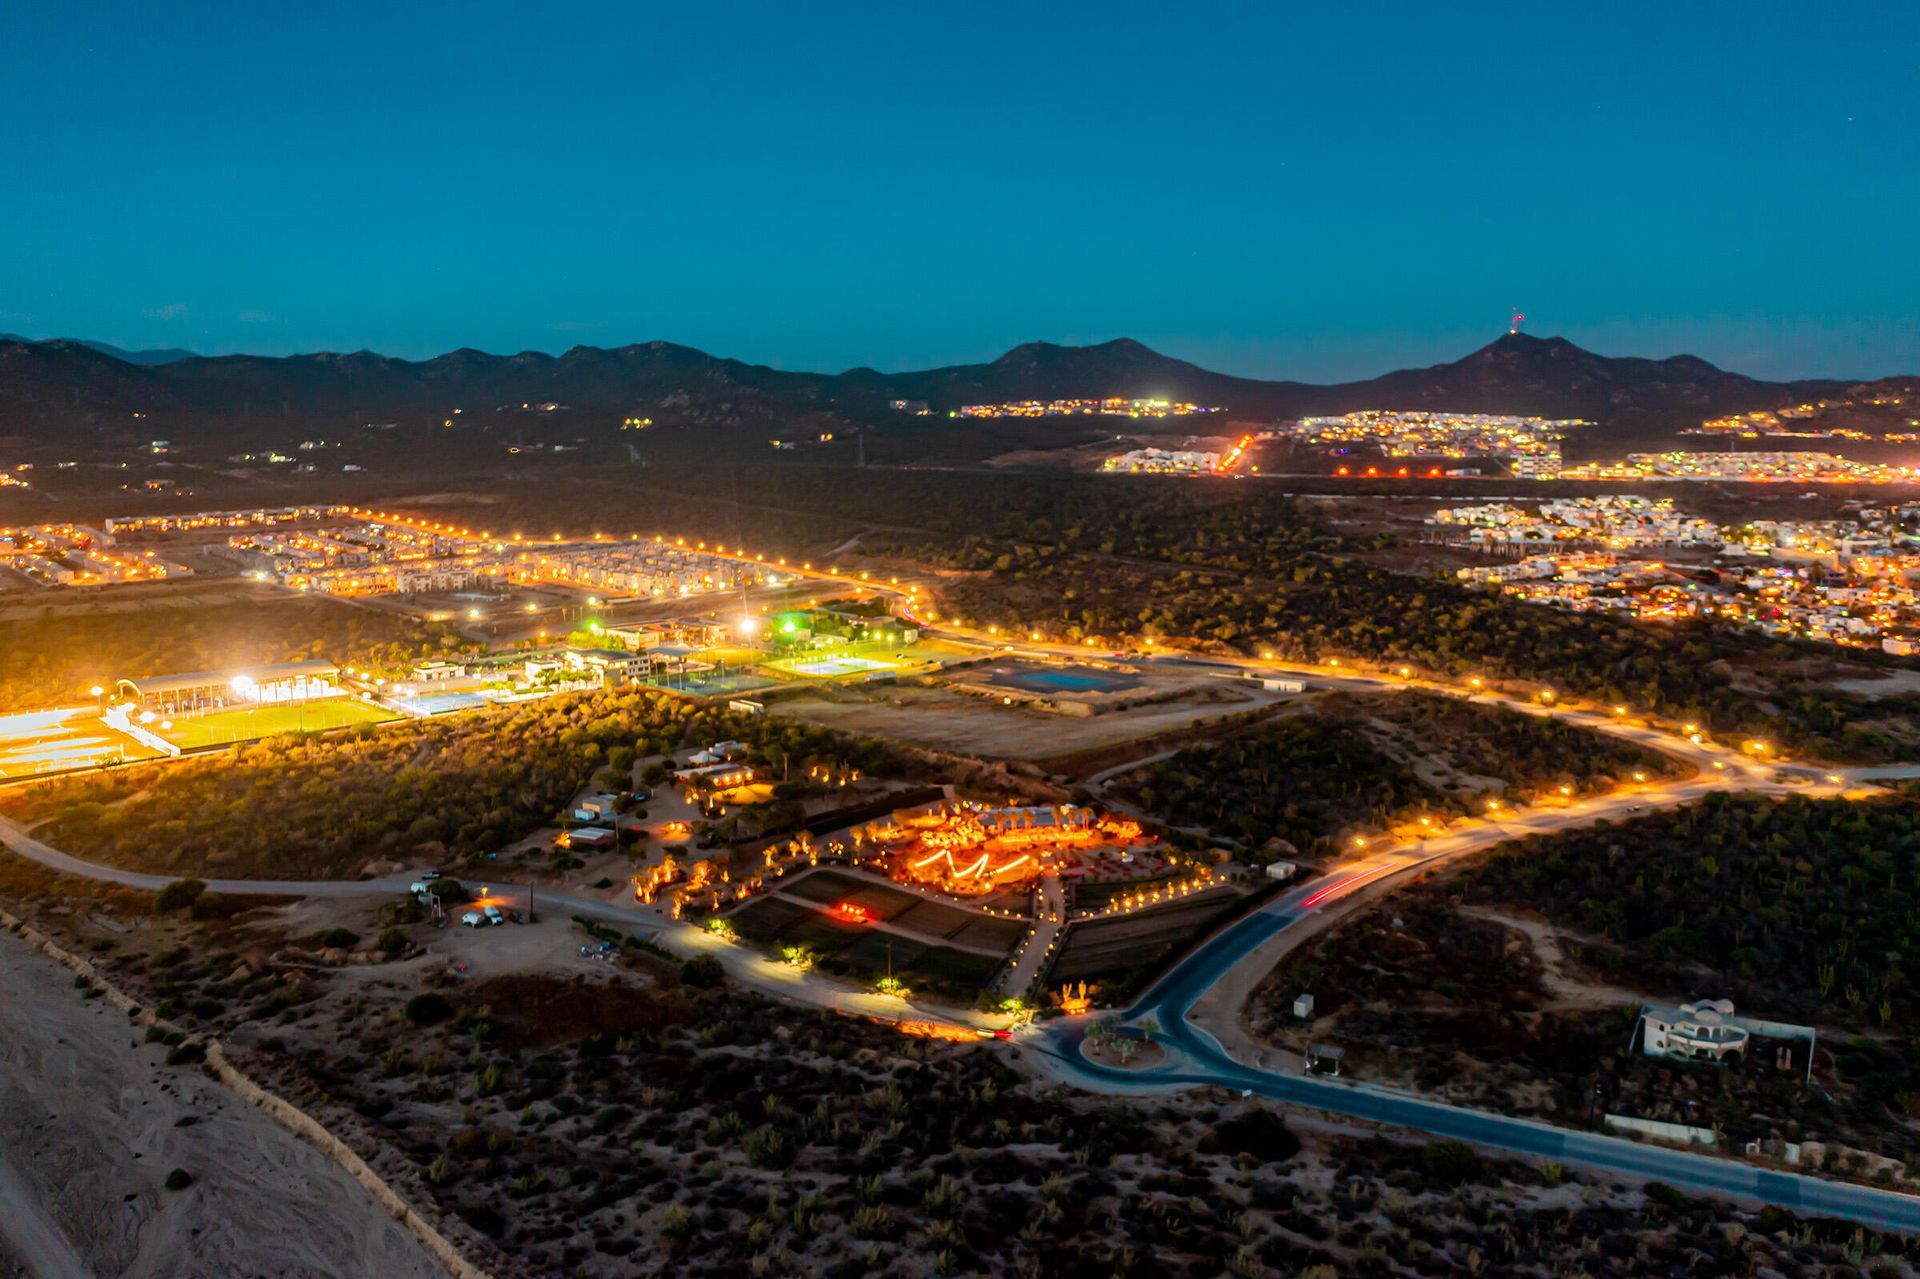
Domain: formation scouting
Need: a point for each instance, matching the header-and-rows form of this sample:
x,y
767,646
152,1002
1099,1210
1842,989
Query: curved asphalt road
x,y
1197,1059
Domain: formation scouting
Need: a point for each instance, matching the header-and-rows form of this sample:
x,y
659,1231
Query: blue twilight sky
x,y
1317,191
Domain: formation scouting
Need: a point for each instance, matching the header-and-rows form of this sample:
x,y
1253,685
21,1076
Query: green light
x,y
786,628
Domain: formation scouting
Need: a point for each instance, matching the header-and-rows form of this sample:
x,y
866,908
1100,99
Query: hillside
x,y
68,390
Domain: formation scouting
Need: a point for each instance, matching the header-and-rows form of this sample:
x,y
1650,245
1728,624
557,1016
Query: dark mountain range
x,y
69,390
157,355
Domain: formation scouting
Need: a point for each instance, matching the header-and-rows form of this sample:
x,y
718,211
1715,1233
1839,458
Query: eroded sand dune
x,y
91,1123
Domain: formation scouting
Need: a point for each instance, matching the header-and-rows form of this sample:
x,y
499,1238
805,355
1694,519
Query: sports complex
x,y
143,718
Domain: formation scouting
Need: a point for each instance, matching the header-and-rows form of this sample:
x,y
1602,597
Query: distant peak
x,y
1028,352
1513,340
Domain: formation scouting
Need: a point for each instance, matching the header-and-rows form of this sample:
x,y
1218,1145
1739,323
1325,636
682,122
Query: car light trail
x,y
1349,882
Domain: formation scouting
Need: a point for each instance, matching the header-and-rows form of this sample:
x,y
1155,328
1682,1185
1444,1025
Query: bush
x,y
1659,1192
178,895
391,941
179,1179
702,971
425,1010
211,906
338,938
1260,1133
448,891
1450,1163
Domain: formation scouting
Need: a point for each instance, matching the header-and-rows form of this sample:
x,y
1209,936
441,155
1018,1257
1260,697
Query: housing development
x,y
1530,445
1109,406
1849,582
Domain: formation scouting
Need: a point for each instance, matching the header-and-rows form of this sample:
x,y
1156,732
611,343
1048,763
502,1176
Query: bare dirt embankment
x,y
92,1121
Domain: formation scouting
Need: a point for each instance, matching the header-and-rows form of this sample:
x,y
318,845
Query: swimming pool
x,y
1065,681
1070,679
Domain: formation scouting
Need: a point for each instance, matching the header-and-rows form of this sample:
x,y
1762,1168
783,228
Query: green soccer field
x,y
264,721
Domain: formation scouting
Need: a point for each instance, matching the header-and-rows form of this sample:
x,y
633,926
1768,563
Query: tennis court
x,y
831,667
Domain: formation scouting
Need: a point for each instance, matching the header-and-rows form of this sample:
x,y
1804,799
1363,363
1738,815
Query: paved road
x,y
1196,1058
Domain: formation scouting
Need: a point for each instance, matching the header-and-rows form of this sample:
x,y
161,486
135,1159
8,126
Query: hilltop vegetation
x,y
52,660
1795,908
1356,762
1301,780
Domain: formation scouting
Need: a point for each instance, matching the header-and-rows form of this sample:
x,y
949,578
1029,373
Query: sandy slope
x,y
92,1121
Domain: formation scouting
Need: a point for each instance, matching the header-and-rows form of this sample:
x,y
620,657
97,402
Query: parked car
x,y
430,874
474,919
494,916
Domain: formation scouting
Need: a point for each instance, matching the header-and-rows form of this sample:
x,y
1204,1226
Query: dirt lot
x,y
959,722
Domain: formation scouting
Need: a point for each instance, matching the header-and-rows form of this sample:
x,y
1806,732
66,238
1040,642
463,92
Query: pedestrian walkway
x,y
1050,913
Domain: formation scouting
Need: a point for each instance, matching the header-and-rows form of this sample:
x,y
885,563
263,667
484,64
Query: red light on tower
x,y
1513,325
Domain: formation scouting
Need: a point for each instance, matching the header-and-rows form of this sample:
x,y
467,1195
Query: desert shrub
x,y
1450,1163
178,895
428,1008
211,906
1260,1133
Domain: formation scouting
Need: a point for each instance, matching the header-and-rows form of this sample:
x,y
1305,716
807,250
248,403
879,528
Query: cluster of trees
x,y
53,660
1308,777
1302,779
323,804
1528,752
1794,908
